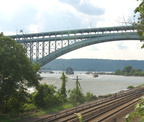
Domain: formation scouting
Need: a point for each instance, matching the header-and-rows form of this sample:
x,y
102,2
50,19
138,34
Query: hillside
x,y
93,64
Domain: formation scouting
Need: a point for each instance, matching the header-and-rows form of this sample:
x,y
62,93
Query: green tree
x,y
139,25
63,86
139,109
46,96
76,95
17,73
127,70
118,72
139,112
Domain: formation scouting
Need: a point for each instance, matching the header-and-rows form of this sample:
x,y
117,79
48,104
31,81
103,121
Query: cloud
x,y
64,19
22,18
51,17
121,46
71,2
85,7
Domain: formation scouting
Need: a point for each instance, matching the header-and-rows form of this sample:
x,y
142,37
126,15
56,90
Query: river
x,y
104,84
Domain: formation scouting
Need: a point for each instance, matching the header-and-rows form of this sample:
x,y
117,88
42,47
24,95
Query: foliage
x,y
80,117
130,87
63,86
139,112
139,25
11,101
90,96
17,73
139,108
129,71
76,95
46,96
29,107
93,64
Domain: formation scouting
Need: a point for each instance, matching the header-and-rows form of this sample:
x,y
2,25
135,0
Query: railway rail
x,y
110,115
95,109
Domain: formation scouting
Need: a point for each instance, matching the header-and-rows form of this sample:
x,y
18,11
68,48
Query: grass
x,y
53,110
34,114
8,119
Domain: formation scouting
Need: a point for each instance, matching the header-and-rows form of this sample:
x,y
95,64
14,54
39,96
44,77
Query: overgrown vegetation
x,y
129,71
139,112
139,25
18,73
47,98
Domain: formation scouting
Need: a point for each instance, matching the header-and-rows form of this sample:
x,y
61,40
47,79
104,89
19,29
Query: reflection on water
x,y
104,84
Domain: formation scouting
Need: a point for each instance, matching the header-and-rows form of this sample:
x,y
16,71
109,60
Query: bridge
x,y
47,46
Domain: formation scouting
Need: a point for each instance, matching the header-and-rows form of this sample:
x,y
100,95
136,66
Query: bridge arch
x,y
45,47
87,42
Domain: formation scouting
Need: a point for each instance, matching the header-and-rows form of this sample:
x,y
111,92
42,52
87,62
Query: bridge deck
x,y
45,47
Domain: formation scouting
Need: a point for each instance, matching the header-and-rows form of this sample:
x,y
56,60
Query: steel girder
x,y
45,47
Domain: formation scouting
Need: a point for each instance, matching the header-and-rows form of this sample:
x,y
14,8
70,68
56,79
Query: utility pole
x,y
77,79
78,87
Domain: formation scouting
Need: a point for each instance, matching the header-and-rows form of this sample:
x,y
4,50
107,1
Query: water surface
x,y
104,84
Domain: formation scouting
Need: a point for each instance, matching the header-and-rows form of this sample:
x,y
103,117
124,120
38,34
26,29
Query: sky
x,y
34,16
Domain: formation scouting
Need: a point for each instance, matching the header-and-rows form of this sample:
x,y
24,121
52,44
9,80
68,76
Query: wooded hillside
x,y
93,64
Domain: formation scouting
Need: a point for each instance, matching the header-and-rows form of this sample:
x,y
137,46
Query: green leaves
x,y
139,111
46,96
63,86
139,25
80,117
17,72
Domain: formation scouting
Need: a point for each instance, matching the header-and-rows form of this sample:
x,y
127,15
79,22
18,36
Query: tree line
x,y
129,71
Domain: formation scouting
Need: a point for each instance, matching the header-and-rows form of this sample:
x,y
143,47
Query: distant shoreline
x,y
93,64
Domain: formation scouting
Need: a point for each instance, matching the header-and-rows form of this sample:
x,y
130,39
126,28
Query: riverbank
x,y
37,117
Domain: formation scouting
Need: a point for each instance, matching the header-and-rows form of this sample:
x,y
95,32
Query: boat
x,y
69,71
95,74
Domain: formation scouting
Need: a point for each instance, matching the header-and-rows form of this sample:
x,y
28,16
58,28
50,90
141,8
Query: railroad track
x,y
93,110
110,115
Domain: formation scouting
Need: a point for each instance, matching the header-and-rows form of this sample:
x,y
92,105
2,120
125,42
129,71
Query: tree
x,y
76,95
139,109
17,73
127,70
139,25
118,72
46,96
63,86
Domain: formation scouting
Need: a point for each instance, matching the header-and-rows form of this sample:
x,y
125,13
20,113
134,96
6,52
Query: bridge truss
x,y
45,47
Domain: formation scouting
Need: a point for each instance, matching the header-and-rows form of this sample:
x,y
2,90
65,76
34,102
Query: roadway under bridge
x,y
47,46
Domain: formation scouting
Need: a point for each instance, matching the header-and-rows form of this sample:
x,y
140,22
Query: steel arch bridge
x,y
45,47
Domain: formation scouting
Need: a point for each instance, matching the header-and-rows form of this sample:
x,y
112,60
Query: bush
x,y
29,107
90,96
130,87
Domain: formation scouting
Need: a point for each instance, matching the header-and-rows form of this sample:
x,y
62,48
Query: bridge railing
x,y
44,47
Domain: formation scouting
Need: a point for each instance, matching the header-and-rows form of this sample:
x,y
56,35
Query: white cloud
x,y
85,7
110,50
53,15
